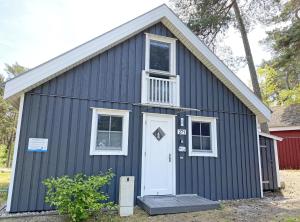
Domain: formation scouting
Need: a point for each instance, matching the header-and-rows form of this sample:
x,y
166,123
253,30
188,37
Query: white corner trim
x,y
259,162
164,39
284,128
276,162
143,156
213,133
16,146
58,65
125,131
271,136
177,99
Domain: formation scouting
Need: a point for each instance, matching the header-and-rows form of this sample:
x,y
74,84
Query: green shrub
x,y
80,196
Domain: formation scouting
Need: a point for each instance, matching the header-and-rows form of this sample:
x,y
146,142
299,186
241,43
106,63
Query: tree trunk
x,y
287,82
249,57
9,146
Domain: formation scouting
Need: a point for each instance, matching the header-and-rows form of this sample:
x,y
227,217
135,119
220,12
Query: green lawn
x,y
4,183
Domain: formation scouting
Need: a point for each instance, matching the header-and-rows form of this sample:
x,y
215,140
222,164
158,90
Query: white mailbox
x,y
126,196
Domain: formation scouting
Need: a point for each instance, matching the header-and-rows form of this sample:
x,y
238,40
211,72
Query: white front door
x,y
158,167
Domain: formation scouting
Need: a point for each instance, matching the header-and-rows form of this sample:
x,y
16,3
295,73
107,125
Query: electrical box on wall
x,y
126,196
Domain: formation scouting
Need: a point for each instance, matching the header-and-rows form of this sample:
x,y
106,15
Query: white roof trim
x,y
284,128
271,136
56,66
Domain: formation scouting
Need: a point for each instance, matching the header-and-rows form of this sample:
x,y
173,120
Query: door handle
x,y
170,157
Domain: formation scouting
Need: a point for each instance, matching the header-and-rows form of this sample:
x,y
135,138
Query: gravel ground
x,y
280,206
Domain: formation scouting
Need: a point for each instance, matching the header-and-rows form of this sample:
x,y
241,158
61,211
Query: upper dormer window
x,y
160,54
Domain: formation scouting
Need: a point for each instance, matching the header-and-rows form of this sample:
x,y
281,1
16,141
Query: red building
x,y
285,123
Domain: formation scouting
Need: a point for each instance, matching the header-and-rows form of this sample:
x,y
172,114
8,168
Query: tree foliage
x,y
14,69
284,67
211,19
8,113
206,18
273,91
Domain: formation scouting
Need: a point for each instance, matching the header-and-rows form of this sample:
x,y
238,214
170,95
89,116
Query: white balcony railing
x,y
160,91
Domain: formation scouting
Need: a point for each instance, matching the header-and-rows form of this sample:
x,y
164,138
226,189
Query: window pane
x,y
196,143
103,122
206,143
116,123
102,140
116,140
205,129
159,56
196,128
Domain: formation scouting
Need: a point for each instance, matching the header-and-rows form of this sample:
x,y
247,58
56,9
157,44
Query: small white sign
x,y
182,149
181,121
181,131
38,145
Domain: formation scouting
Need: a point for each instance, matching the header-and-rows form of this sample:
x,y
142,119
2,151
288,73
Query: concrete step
x,y
171,204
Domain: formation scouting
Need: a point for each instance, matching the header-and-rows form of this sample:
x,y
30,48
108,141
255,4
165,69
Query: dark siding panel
x,y
268,163
61,111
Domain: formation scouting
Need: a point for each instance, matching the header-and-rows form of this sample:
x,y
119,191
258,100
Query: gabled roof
x,y
56,66
285,116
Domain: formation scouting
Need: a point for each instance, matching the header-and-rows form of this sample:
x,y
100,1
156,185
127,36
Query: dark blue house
x,y
147,99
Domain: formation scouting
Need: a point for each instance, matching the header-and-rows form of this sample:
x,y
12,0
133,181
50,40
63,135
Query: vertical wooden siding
x,y
60,110
268,163
289,149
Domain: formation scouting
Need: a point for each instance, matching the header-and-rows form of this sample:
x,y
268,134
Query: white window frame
x,y
125,130
213,136
163,39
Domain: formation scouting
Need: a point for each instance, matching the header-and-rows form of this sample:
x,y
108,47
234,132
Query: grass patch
x,y
292,219
4,183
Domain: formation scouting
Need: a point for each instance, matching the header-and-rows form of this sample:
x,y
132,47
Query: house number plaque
x,y
181,131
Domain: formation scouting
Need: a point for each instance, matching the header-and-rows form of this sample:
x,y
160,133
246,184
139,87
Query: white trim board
x,y
284,128
46,71
13,170
270,136
276,162
259,163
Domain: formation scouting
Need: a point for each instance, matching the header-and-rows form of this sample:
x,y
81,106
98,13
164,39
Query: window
x,y
109,135
160,54
202,136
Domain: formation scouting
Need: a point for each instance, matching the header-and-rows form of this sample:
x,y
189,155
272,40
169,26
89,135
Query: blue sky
x,y
34,31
